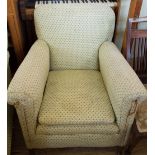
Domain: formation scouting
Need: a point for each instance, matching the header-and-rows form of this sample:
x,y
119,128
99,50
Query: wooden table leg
x,y
15,29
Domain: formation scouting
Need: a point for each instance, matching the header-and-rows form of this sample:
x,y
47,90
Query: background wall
x,y
124,8
144,8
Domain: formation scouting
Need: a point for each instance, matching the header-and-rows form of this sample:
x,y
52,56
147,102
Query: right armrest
x,y
123,85
26,89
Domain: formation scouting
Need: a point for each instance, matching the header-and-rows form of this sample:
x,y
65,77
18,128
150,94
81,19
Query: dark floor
x,y
19,148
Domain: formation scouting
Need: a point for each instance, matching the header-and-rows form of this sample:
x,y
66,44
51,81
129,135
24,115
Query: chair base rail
x,y
117,150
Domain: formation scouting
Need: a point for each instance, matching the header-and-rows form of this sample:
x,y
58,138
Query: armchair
x,y
74,88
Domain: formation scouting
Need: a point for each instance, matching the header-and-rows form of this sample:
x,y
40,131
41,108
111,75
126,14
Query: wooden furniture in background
x,y
15,29
27,6
134,11
136,48
117,13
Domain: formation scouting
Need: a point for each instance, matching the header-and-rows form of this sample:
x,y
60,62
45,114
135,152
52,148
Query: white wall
x,y
124,9
144,9
143,13
122,19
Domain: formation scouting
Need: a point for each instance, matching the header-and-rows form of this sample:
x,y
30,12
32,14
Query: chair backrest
x,y
74,33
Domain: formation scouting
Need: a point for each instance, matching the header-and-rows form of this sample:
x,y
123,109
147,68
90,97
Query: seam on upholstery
x,y
35,126
33,115
24,118
130,100
122,104
125,126
79,125
118,132
79,134
22,106
135,104
27,125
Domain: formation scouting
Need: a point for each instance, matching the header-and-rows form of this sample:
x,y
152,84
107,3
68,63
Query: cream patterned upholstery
x,y
124,87
26,89
74,88
74,33
73,92
78,129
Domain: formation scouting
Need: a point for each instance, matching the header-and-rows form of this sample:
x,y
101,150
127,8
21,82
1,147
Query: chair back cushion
x,y
74,33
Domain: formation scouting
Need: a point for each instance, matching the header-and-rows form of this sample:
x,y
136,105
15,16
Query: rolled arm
x,y
123,85
26,89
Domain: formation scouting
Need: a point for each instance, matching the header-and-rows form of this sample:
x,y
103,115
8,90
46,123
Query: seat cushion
x,y
77,129
75,97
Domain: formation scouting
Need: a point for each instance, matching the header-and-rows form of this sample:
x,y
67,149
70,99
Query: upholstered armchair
x,y
74,87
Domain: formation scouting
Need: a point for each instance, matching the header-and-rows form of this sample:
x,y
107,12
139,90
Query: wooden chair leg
x,y
31,152
120,151
127,151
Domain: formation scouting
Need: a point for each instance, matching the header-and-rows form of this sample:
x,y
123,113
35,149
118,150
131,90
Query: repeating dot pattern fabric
x,y
74,33
123,85
108,129
75,97
26,89
30,78
71,90
76,140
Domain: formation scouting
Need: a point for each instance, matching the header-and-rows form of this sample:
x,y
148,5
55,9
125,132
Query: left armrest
x,y
26,89
123,85
30,78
